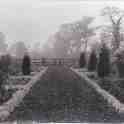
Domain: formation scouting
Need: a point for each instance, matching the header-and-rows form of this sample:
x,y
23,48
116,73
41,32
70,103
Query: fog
x,y
36,20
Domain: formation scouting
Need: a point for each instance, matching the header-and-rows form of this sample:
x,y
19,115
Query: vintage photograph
x,y
61,61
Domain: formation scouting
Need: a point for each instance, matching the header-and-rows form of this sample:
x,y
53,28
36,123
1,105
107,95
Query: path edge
x,y
7,108
112,101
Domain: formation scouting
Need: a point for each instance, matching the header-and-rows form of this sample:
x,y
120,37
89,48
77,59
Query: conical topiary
x,y
103,68
92,61
119,54
5,63
26,65
82,60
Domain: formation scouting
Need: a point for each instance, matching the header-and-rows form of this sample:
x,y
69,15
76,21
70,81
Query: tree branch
x,y
112,19
119,20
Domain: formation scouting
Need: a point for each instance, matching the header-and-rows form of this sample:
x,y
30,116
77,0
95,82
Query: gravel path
x,y
62,96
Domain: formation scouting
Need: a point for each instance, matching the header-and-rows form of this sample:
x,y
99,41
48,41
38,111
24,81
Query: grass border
x,y
11,104
113,101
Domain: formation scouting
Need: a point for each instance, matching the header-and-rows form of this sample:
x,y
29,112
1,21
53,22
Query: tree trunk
x,y
85,45
116,35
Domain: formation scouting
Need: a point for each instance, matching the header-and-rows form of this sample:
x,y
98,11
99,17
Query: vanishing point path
x,y
61,96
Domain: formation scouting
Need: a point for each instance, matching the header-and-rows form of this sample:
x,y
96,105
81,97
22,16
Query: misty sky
x,y
35,20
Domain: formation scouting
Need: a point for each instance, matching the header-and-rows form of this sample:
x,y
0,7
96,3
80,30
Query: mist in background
x,y
34,23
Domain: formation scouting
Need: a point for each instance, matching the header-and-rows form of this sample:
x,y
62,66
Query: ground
x,y
62,96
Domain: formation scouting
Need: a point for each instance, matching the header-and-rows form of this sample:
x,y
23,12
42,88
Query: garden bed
x,y
14,84
21,80
11,87
15,92
113,85
112,101
5,95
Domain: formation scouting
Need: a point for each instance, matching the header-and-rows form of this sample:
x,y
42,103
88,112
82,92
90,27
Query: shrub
x,y
120,67
3,78
103,67
5,62
119,54
26,65
92,61
82,60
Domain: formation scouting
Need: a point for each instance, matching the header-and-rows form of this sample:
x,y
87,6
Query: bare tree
x,y
61,45
106,36
72,36
115,16
83,31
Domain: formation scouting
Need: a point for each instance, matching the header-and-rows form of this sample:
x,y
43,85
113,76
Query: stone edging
x,y
17,97
119,107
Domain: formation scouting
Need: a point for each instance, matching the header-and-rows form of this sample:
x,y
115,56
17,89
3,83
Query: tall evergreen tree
x,y
103,68
26,65
5,62
119,54
92,61
82,60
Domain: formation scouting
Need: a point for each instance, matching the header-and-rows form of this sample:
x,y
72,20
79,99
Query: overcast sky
x,y
35,20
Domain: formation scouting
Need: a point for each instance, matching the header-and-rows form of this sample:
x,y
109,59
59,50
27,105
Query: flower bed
x,y
8,106
113,85
6,95
14,79
12,87
112,101
13,84
21,80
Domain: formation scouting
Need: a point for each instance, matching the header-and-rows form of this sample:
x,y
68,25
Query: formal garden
x,y
16,79
105,69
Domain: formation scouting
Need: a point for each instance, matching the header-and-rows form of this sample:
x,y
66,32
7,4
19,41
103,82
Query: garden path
x,y
62,96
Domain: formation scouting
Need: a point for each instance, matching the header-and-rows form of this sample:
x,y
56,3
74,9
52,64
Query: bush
x,y
103,67
5,62
26,65
120,66
82,60
119,54
3,78
92,61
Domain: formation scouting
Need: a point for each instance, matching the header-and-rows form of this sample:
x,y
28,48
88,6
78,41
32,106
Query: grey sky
x,y
36,20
